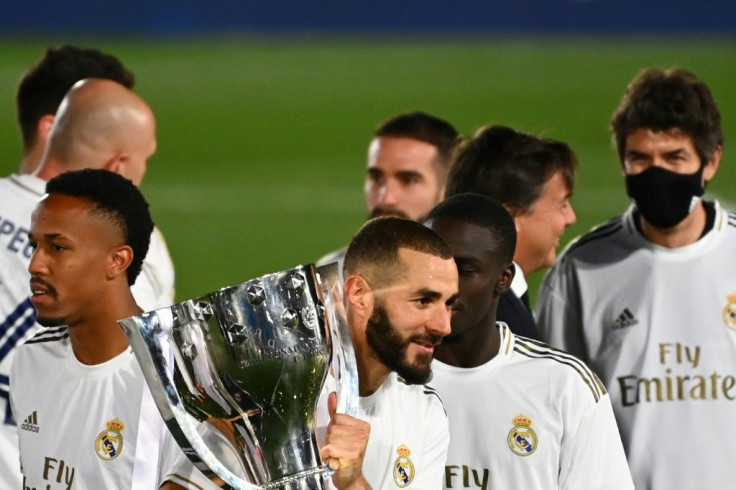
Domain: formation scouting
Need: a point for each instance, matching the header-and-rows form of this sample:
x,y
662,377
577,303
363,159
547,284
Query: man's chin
x,y
50,321
383,213
418,373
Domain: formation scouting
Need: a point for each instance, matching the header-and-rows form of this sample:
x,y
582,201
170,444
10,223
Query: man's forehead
x,y
61,214
402,151
424,266
55,203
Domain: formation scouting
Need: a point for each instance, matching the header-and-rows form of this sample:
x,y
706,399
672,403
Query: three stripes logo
x,y
625,319
30,423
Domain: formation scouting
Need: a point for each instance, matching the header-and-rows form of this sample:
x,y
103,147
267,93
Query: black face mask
x,y
665,198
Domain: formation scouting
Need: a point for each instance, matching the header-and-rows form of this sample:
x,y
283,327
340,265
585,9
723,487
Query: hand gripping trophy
x,y
237,374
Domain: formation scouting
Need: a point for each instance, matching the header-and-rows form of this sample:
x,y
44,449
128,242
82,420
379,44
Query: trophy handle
x,y
343,367
157,363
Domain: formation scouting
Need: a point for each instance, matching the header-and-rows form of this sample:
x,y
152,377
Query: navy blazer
x,y
517,316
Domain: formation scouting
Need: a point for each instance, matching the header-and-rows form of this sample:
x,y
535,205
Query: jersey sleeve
x,y
592,457
177,468
558,310
154,286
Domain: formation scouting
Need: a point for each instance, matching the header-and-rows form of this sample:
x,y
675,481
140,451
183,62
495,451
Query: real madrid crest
x,y
729,312
403,467
522,438
109,443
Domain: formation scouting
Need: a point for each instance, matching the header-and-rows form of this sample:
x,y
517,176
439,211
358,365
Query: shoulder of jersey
x,y
595,236
568,365
425,393
731,220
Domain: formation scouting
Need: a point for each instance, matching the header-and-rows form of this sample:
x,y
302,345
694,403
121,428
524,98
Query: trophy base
x,y
311,479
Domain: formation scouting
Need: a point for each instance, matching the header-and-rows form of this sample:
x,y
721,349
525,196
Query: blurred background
x,y
265,110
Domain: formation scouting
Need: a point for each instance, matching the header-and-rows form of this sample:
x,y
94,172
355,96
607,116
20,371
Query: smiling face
x,y
73,251
482,271
411,315
402,178
540,228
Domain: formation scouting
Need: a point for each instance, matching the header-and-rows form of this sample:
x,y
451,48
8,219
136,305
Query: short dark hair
x,y
115,198
44,86
424,127
661,100
510,166
482,211
374,250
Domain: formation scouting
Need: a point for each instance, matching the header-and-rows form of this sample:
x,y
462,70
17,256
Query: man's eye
x,y
375,176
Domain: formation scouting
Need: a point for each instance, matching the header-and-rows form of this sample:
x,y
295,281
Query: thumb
x,y
332,405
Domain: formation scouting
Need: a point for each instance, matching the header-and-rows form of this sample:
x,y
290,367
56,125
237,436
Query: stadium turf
x,y
262,140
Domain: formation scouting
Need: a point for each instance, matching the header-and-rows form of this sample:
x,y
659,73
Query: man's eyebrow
x,y
636,153
48,236
428,293
675,152
409,173
459,259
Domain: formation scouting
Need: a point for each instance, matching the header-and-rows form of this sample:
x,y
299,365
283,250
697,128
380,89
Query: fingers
x,y
345,442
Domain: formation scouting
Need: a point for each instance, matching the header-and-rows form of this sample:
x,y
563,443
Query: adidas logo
x,y
625,319
30,423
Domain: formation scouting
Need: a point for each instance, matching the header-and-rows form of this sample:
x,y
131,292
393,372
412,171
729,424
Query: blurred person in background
x,y
533,179
408,160
44,86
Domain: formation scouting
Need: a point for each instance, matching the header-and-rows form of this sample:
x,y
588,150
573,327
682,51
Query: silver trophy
x,y
237,374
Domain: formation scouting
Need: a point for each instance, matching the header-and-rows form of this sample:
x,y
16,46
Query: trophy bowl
x,y
237,374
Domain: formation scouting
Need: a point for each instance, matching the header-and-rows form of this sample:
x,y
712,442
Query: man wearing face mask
x,y
649,298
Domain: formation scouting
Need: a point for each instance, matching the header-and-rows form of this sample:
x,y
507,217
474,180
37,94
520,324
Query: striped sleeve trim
x,y
53,334
506,337
602,231
177,478
731,219
428,390
538,350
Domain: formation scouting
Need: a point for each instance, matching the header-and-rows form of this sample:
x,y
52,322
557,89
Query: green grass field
x,y
262,141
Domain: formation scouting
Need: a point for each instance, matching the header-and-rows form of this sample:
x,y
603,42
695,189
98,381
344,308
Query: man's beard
x,y
390,347
376,212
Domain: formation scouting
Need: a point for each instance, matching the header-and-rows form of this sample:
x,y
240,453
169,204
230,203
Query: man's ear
x,y
359,295
120,259
116,162
712,166
507,276
43,129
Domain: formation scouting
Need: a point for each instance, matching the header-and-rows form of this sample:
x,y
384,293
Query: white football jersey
x,y
407,447
79,424
19,194
408,442
531,417
658,326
